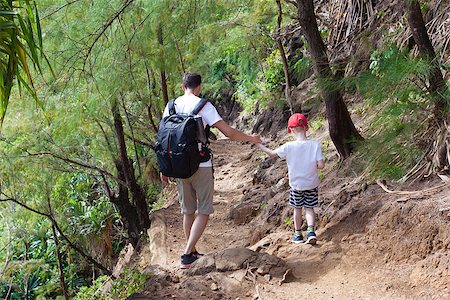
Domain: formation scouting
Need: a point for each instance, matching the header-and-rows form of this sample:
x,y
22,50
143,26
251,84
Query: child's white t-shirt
x,y
186,104
301,158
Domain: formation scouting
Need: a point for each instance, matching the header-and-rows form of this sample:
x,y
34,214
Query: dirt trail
x,y
345,264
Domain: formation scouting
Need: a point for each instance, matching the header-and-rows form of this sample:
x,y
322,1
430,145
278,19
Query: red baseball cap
x,y
297,120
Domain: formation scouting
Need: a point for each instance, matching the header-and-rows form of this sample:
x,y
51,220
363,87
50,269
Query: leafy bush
x,y
130,282
301,68
273,71
94,291
394,88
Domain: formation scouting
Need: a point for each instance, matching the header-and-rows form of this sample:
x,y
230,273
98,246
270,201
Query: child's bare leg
x,y
298,219
310,234
310,216
297,238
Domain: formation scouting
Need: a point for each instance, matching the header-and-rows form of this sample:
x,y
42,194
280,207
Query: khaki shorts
x,y
196,192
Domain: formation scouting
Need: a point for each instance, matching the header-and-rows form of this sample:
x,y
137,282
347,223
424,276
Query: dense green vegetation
x,y
120,60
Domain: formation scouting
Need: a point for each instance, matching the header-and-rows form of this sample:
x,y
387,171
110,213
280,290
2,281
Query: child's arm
x,y
269,152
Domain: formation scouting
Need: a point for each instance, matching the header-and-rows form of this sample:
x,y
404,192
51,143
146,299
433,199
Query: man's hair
x,y
192,80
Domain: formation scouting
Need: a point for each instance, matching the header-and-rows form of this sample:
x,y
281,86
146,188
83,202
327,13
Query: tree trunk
x,y
62,282
162,71
127,211
180,57
149,106
128,171
287,76
342,130
136,154
26,277
426,50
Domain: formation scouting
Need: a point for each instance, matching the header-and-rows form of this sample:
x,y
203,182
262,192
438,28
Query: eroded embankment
x,y
371,246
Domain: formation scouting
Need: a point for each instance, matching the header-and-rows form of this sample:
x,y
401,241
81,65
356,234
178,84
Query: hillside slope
x,y
372,244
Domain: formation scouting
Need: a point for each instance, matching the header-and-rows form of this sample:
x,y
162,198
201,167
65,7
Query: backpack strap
x,y
171,106
199,106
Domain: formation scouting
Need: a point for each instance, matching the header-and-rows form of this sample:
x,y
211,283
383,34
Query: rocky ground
x,y
372,244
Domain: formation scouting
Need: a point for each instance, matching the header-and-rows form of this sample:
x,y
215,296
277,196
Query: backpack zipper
x,y
168,150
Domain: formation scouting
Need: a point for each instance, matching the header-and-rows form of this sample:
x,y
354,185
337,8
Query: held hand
x,y
255,139
164,179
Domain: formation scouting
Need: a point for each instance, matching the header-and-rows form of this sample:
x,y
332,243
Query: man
x,y
196,192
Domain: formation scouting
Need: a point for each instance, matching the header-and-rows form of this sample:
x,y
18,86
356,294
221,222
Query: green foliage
x,y
263,205
130,282
395,88
288,221
321,175
88,211
20,43
316,124
225,41
94,291
155,191
273,73
302,67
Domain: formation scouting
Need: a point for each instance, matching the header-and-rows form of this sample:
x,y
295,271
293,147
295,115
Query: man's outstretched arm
x,y
236,135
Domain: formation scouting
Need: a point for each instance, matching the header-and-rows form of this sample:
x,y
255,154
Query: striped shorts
x,y
307,199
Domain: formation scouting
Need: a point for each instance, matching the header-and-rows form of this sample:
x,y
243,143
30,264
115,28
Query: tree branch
x,y
60,8
8,198
287,75
78,163
103,29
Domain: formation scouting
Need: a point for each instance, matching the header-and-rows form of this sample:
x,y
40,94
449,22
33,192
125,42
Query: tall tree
x,y
287,75
127,170
62,281
162,70
426,50
342,130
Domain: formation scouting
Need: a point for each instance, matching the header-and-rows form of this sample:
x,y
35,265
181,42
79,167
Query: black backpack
x,y
177,148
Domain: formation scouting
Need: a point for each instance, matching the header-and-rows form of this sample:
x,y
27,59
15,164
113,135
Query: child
x,y
303,158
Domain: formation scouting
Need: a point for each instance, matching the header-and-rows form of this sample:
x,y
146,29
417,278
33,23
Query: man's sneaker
x,y
187,260
297,239
311,238
197,254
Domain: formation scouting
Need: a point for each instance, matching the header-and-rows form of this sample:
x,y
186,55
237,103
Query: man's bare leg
x,y
197,228
188,220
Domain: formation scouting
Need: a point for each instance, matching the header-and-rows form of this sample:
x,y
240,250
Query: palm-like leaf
x,y
20,43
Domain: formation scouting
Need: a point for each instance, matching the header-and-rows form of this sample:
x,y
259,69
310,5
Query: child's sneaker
x,y
197,254
187,260
311,238
297,239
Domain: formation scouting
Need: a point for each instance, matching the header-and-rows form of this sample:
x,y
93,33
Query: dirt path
x,y
340,266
